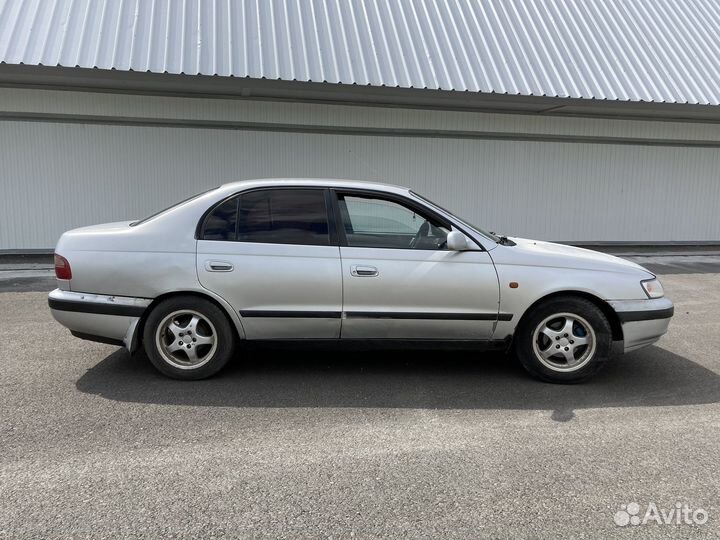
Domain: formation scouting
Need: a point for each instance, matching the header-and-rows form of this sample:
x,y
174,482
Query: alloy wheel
x,y
564,342
186,339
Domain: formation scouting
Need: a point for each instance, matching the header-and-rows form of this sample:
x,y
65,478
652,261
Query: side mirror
x,y
457,241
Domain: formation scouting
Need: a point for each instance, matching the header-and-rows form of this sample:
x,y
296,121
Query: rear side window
x,y
284,216
273,216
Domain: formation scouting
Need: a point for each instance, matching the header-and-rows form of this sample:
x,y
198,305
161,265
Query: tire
x,y
186,337
563,340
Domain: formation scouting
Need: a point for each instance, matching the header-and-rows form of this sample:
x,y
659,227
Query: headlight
x,y
653,288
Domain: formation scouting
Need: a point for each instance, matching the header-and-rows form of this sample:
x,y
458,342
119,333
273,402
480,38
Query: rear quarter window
x,y
221,224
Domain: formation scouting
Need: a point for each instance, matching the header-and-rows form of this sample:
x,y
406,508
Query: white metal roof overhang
x,y
645,57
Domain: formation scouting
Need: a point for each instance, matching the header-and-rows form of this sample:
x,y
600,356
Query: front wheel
x,y
187,337
564,340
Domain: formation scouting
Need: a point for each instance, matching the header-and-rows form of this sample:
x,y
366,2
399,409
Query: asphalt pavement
x,y
341,444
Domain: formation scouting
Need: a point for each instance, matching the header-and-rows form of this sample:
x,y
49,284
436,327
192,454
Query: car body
x,y
310,259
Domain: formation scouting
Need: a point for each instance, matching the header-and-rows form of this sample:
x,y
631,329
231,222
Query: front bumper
x,y
97,317
643,321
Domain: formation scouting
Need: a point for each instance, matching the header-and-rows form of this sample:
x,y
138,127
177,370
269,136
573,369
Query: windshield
x,y
156,214
490,235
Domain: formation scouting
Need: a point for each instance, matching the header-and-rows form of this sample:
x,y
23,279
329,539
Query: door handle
x,y
359,270
218,266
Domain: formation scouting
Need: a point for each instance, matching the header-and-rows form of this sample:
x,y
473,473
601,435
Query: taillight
x,y
62,267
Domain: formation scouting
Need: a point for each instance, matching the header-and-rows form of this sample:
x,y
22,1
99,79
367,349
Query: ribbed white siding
x,y
628,50
56,176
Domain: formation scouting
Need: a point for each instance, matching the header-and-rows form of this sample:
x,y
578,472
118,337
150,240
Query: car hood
x,y
540,253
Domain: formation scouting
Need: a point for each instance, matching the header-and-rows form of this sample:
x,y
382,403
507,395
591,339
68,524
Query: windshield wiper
x,y
503,240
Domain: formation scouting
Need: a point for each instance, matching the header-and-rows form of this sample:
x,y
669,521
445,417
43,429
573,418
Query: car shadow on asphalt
x,y
304,377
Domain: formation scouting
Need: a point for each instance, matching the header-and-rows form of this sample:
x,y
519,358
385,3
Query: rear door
x,y
273,255
399,279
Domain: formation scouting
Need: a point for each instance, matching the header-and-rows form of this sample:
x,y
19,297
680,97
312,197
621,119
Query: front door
x,y
271,253
399,279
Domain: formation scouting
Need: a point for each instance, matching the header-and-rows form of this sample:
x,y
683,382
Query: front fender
x,y
535,283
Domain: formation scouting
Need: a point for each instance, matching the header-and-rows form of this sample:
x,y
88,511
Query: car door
x,y
399,279
272,254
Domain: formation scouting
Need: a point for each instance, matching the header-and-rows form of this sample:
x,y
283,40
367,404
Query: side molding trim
x,y
401,315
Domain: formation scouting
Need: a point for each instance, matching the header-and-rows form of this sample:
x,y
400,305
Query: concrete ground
x,y
301,444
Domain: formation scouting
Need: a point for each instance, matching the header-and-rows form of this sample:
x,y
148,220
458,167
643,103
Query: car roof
x,y
313,182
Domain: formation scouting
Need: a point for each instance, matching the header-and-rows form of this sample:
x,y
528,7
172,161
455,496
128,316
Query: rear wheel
x,y
564,340
187,337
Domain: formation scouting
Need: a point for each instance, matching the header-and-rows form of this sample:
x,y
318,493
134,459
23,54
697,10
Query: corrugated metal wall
x,y
639,50
57,175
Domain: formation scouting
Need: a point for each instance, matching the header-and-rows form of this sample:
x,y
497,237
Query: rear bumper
x,y
97,317
643,321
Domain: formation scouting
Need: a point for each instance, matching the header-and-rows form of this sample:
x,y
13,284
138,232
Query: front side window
x,y
370,221
283,216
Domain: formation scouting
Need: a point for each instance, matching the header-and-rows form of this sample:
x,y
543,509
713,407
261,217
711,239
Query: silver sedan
x,y
349,262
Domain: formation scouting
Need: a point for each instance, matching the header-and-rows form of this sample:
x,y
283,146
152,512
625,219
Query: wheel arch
x,y
136,339
607,310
